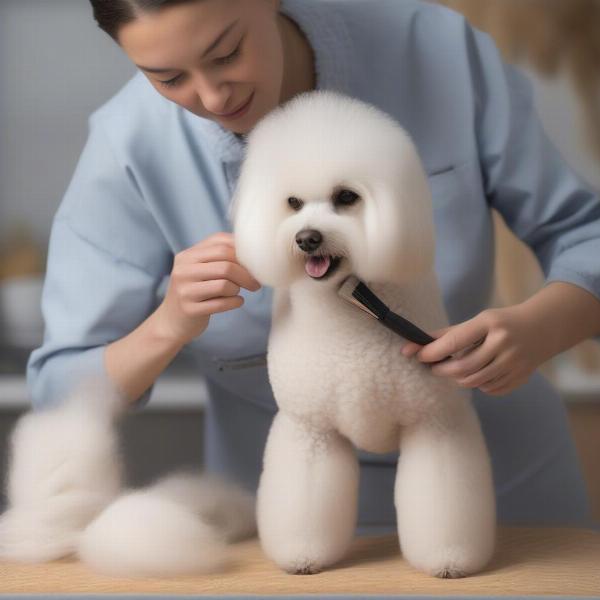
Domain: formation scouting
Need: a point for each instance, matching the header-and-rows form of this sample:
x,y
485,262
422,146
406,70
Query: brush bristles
x,y
348,291
368,299
347,287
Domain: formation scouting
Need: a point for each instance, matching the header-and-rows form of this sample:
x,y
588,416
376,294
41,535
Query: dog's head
x,y
332,186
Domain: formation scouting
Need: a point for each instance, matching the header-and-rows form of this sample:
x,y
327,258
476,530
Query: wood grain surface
x,y
527,562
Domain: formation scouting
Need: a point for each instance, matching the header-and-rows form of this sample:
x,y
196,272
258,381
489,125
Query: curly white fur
x,y
64,468
177,526
339,378
66,497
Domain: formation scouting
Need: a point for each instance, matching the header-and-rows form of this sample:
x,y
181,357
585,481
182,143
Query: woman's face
x,y
220,59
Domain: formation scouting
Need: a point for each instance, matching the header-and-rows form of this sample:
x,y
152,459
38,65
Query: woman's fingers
x,y
488,374
198,291
218,250
222,270
410,349
454,340
466,364
215,305
504,384
216,261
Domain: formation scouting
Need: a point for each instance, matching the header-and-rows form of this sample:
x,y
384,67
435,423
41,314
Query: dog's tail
x,y
65,496
64,468
180,525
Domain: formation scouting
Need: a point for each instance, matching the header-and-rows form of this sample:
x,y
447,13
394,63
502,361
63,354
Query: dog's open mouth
x,y
320,267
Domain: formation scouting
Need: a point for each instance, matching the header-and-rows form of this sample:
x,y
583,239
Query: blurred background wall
x,y
55,68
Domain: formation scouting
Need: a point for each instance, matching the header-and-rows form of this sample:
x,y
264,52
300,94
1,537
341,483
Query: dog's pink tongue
x,y
316,266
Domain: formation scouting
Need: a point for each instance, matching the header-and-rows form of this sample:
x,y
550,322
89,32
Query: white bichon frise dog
x,y
330,187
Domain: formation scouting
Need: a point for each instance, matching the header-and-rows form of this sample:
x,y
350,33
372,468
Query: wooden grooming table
x,y
528,562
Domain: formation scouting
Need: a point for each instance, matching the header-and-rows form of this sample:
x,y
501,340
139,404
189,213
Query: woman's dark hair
x,y
111,15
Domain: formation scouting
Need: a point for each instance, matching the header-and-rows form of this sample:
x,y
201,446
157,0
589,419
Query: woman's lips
x,y
240,111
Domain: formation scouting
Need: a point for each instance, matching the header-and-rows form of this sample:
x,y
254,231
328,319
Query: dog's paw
x,y
451,562
449,567
304,566
299,560
450,573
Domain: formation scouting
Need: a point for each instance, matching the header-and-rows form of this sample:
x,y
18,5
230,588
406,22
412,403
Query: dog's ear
x,y
255,215
250,231
399,228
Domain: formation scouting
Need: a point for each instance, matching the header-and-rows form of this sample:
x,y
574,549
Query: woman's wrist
x,y
563,315
162,332
135,361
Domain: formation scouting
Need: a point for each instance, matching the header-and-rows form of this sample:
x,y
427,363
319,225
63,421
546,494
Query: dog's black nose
x,y
309,239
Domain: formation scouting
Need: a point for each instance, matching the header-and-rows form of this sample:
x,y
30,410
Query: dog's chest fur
x,y
334,366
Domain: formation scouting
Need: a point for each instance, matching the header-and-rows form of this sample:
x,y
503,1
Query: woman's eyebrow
x,y
207,51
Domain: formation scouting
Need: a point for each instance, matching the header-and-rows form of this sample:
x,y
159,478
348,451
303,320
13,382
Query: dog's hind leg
x,y
444,496
307,496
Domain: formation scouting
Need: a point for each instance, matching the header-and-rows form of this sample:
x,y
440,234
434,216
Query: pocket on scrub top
x,y
464,239
244,362
247,377
454,201
445,186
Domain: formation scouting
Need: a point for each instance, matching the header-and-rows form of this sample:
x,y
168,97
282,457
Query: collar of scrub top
x,y
330,40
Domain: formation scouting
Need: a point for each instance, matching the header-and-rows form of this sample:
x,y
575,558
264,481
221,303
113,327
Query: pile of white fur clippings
x,y
66,496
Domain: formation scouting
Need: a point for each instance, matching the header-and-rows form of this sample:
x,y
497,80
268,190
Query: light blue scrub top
x,y
155,179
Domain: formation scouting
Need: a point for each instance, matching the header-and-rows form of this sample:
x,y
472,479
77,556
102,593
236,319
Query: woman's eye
x,y
230,57
172,82
295,203
345,198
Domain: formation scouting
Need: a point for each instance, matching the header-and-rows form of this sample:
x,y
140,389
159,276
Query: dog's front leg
x,y
307,496
444,496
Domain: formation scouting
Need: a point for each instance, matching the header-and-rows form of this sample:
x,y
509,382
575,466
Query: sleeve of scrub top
x,y
106,258
541,199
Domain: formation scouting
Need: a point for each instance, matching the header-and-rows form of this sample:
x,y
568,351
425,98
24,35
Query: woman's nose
x,y
213,94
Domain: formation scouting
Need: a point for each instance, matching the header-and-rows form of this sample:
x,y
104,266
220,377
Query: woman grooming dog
x,y
150,196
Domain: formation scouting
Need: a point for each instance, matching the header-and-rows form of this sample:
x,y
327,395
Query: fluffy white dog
x,y
330,187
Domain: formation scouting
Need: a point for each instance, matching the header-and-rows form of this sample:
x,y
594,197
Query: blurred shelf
x,y
178,388
13,360
171,392
577,385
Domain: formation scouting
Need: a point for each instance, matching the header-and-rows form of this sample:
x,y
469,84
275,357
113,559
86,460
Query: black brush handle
x,y
405,328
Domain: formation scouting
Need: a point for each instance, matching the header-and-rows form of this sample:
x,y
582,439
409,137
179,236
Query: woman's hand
x,y
510,347
205,279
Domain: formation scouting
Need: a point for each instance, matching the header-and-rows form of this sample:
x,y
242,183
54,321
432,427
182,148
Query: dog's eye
x,y
295,203
345,198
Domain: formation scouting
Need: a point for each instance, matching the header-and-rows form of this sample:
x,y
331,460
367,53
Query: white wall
x,y
56,67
